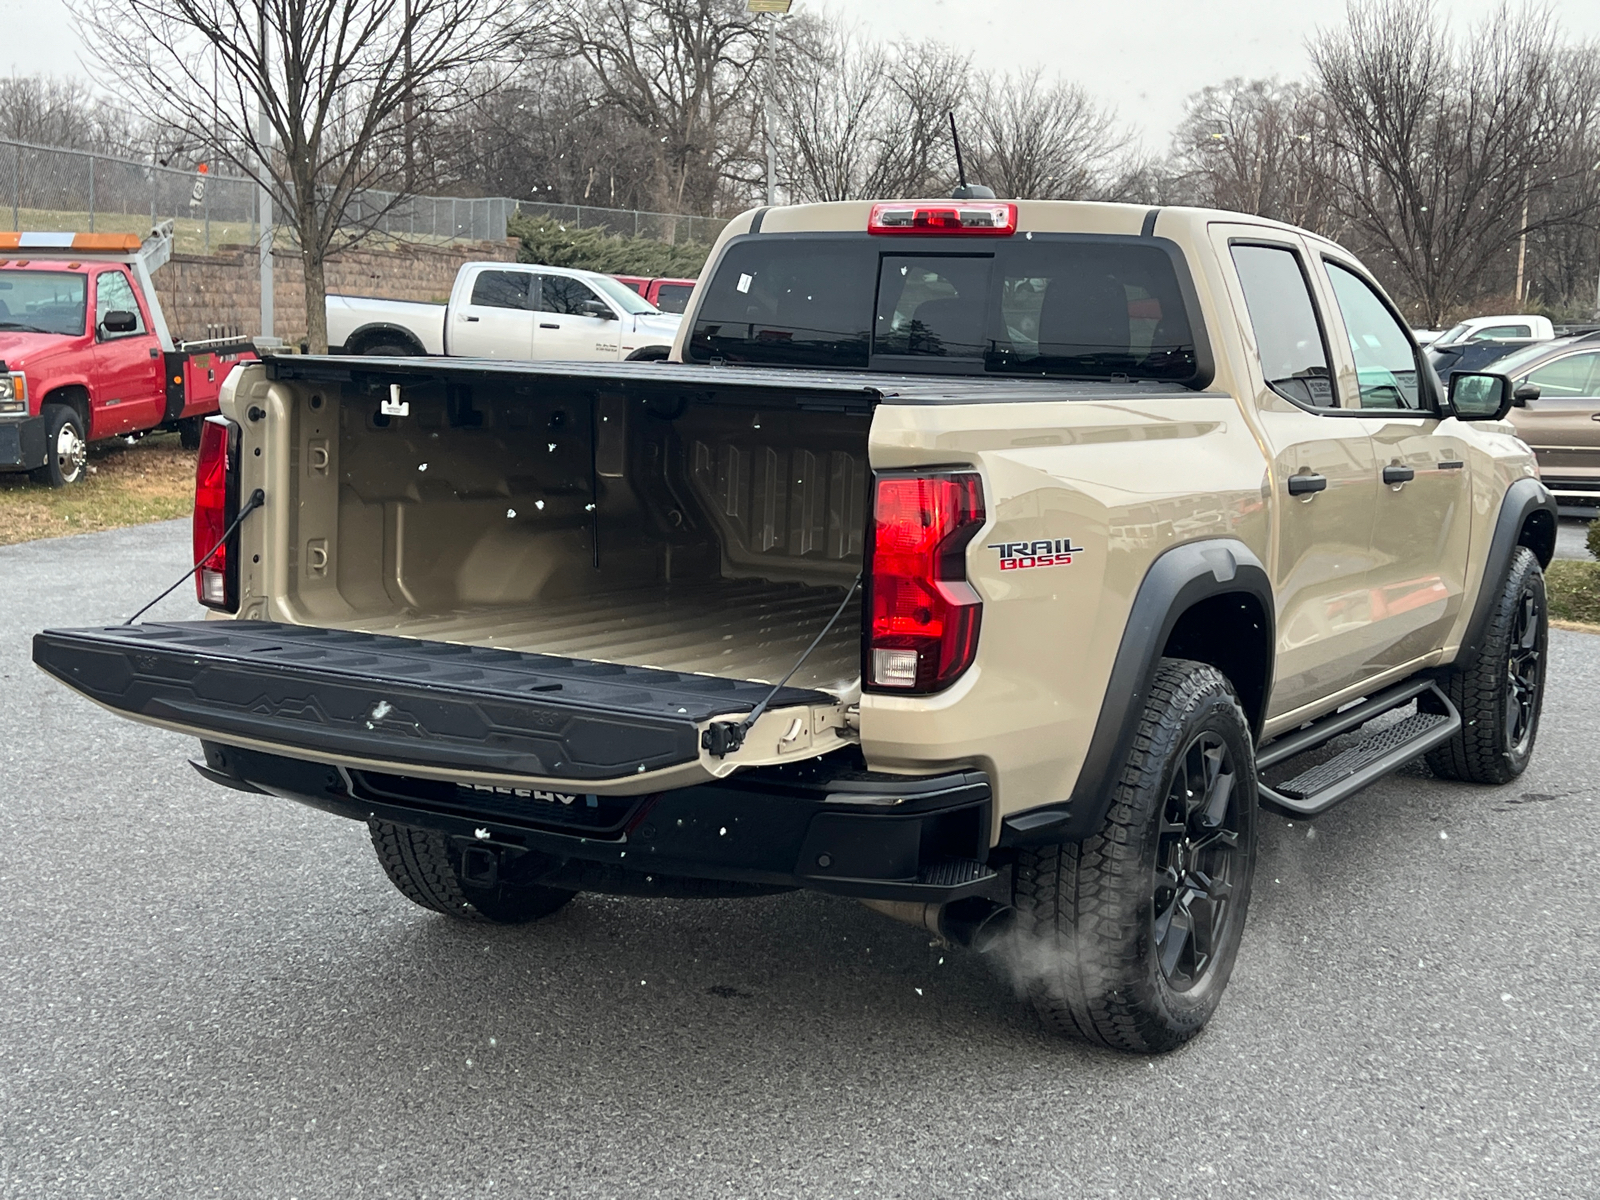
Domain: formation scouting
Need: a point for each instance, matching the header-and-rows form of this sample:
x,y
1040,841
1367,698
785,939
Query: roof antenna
x,y
965,191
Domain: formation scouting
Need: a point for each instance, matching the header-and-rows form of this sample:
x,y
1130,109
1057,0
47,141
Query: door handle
x,y
1398,474
468,317
548,325
1304,485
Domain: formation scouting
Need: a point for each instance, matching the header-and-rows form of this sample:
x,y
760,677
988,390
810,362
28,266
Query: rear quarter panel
x,y
1124,481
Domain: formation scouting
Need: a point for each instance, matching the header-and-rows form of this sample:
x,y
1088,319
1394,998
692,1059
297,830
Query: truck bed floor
x,y
736,628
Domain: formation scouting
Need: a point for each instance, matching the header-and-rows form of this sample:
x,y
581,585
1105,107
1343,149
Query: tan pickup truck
x,y
984,561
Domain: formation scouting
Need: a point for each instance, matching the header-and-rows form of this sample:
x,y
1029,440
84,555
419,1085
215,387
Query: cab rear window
x,y
1054,305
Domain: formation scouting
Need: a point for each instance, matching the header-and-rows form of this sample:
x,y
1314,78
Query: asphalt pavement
x,y
1571,535
204,993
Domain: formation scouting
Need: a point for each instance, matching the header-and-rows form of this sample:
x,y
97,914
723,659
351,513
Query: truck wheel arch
x,y
1527,517
650,354
378,333
76,397
1210,601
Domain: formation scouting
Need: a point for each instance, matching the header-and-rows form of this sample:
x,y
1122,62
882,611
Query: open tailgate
x,y
434,709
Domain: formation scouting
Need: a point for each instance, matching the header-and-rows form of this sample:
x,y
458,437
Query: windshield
x,y
1451,334
43,301
629,300
1054,304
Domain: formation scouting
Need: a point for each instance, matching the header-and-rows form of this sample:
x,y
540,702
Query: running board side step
x,y
1321,787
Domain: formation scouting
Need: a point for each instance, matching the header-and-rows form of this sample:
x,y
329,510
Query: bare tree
x,y
1038,139
1258,146
683,72
867,120
1441,145
54,112
332,81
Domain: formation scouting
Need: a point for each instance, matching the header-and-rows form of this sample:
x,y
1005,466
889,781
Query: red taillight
x,y
213,582
923,629
962,218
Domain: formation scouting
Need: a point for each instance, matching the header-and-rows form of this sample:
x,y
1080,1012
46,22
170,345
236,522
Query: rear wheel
x,y
1128,937
66,447
388,348
1499,691
427,869
189,432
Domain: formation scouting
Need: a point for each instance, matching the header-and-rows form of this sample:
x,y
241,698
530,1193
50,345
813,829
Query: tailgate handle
x,y
1304,485
1398,474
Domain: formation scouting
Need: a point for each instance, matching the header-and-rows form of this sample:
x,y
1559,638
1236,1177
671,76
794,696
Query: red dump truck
x,y
85,353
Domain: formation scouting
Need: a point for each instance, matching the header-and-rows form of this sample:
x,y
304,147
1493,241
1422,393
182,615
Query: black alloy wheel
x,y
1197,859
1524,670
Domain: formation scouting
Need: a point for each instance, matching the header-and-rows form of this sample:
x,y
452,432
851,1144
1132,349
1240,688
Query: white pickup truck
x,y
510,311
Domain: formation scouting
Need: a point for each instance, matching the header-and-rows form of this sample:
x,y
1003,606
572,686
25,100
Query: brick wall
x,y
202,294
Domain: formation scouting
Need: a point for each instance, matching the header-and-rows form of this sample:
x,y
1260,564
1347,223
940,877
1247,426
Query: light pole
x,y
776,8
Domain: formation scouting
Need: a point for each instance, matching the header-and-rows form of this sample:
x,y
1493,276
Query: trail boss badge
x,y
1019,556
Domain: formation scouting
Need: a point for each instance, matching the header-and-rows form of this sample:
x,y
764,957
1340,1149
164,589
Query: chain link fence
x,y
47,188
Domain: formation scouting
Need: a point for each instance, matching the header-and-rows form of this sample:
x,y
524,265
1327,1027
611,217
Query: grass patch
x,y
1574,589
150,480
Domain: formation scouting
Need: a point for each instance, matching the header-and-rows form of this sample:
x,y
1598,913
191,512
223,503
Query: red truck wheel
x,y
66,449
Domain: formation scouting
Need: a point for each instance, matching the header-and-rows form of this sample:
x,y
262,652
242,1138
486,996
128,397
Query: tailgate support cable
x,y
722,738
257,499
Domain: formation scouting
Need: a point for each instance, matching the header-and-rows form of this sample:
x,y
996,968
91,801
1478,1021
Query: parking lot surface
x,y
204,993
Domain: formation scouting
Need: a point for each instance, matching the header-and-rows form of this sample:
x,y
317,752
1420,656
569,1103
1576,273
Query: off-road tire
x,y
61,470
425,868
1497,732
1087,937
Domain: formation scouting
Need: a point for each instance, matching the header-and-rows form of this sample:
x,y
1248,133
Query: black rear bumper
x,y
23,443
822,824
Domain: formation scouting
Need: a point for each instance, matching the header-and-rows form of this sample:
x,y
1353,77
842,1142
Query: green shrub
x,y
1594,538
1574,589
547,241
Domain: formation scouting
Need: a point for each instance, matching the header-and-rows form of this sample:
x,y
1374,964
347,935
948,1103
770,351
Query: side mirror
x,y
598,308
120,321
1528,391
1481,395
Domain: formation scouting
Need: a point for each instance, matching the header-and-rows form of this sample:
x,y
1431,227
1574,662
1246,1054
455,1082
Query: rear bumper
x,y
818,825
23,443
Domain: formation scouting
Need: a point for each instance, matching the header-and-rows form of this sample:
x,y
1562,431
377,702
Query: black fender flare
x,y
1516,525
383,329
1178,580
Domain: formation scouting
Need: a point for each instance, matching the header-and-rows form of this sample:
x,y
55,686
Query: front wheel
x,y
1128,937
1499,691
66,448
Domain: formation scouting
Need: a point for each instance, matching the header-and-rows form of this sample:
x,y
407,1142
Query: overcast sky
x,y
1142,58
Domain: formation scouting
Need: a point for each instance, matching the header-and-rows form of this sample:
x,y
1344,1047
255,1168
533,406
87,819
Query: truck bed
x,y
748,629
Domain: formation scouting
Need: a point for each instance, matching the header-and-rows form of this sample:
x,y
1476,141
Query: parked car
x,y
67,380
1517,327
509,311
986,561
1558,413
669,295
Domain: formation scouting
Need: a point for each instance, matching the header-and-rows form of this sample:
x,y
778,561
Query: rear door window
x,y
1289,343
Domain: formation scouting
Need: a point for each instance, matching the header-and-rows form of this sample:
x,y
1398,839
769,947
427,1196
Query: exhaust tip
x,y
977,923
